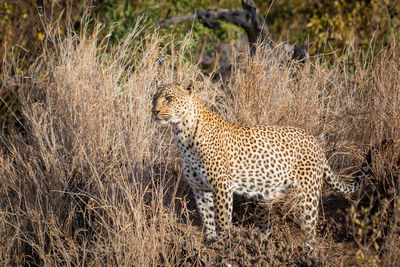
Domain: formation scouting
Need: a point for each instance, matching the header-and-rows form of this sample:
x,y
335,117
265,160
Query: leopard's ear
x,y
190,87
159,84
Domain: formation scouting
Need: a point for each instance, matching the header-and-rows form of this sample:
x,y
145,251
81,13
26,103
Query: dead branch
x,y
246,18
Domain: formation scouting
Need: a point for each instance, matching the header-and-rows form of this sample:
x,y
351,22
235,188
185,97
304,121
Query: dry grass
x,y
90,179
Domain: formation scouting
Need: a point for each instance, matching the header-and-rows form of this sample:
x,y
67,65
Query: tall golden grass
x,y
88,178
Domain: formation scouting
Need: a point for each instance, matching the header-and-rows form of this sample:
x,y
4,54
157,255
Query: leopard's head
x,y
171,102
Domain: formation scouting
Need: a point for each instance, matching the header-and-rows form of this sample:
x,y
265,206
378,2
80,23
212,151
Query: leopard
x,y
262,162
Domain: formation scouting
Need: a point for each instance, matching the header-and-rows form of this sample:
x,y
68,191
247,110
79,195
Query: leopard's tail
x,y
342,186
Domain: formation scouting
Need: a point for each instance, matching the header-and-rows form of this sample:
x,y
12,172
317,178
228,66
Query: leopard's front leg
x,y
223,201
215,209
205,205
204,199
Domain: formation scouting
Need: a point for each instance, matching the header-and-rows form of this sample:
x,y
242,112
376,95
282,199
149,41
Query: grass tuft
x,y
88,178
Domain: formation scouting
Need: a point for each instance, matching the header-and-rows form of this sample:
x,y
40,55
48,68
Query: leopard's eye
x,y
169,98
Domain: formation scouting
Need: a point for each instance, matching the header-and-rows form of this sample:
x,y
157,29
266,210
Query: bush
x,y
333,25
